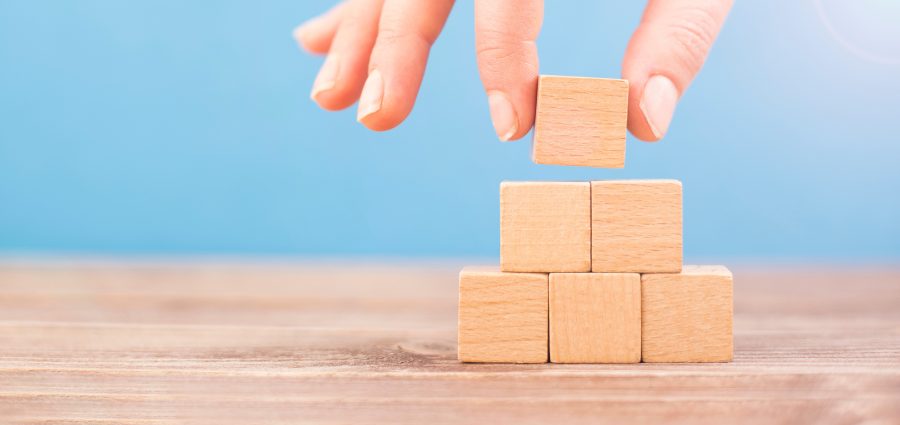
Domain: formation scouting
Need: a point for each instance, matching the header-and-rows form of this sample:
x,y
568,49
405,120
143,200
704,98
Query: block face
x,y
580,121
502,316
545,227
636,226
595,317
687,316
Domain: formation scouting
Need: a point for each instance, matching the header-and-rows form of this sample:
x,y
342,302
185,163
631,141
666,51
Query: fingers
x,y
343,73
665,53
505,35
406,31
315,35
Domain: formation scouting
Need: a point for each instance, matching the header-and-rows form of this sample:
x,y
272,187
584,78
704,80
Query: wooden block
x,y
502,316
545,226
580,121
595,317
636,226
687,316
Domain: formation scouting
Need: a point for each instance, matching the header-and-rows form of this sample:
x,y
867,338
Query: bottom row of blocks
x,y
595,317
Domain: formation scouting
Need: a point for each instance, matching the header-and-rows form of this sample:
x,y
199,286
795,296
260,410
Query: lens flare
x,y
869,29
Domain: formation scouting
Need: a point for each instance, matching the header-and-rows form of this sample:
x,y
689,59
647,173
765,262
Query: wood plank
x,y
233,293
814,344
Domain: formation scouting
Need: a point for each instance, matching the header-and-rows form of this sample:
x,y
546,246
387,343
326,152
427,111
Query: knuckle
x,y
498,56
496,52
694,34
393,35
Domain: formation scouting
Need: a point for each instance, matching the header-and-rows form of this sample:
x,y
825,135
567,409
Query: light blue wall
x,y
170,127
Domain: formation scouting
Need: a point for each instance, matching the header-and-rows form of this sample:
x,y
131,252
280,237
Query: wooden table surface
x,y
367,343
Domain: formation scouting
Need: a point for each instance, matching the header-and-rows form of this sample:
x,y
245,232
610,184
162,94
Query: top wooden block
x,y
580,121
545,226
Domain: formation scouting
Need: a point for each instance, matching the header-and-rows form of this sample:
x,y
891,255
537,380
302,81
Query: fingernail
x,y
658,103
506,123
327,77
372,94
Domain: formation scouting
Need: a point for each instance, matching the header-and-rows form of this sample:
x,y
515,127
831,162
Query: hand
x,y
377,51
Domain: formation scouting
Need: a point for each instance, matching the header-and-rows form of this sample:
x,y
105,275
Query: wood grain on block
x,y
502,316
595,317
687,316
580,121
636,226
545,226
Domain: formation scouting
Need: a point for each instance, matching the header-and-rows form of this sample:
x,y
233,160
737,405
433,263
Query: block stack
x,y
591,272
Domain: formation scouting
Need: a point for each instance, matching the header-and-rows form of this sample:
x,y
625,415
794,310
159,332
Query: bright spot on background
x,y
870,29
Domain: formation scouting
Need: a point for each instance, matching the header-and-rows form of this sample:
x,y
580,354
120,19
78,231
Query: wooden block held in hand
x,y
545,226
502,316
580,121
687,316
595,317
636,226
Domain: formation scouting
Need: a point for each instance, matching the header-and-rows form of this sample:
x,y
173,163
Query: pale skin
x,y
376,51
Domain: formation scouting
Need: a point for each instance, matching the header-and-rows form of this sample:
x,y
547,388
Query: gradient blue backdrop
x,y
170,127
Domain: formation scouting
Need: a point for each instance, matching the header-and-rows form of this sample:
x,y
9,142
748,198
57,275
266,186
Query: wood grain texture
x,y
335,342
580,121
595,318
636,226
502,316
545,226
687,316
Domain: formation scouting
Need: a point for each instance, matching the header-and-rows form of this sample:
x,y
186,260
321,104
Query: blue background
x,y
173,127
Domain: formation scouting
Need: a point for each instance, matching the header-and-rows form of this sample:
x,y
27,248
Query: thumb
x,y
665,53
